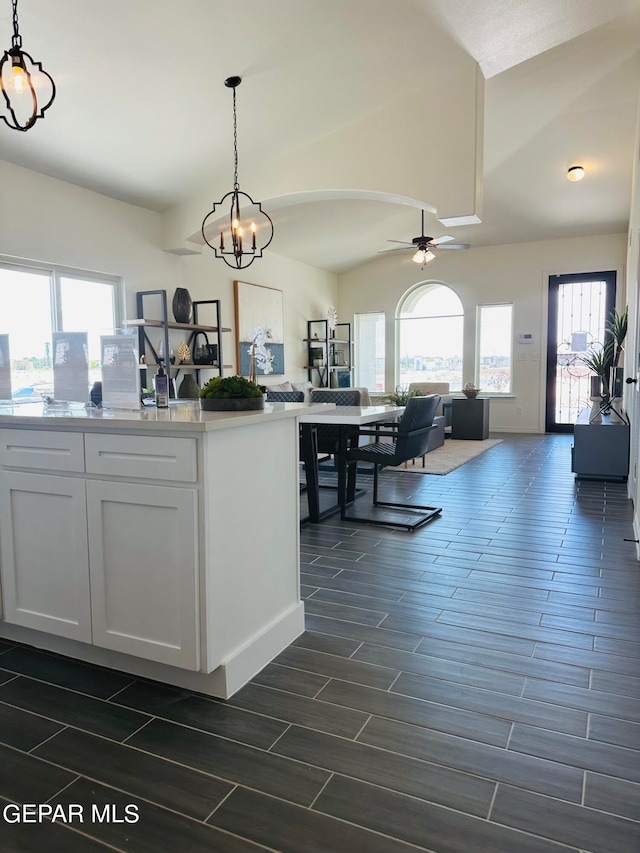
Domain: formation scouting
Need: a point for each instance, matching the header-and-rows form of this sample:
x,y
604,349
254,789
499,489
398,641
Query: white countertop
x,y
181,416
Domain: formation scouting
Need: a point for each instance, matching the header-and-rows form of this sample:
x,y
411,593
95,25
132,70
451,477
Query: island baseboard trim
x,y
222,683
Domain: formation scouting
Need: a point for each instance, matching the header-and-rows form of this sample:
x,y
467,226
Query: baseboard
x,y
222,683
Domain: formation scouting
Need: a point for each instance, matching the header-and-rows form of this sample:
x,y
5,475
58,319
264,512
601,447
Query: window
x,y
37,301
494,361
369,351
430,320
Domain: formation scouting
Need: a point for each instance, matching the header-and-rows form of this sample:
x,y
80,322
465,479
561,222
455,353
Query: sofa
x,y
441,388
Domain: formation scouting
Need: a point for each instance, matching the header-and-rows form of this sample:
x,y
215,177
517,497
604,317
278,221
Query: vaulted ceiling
x,y
142,114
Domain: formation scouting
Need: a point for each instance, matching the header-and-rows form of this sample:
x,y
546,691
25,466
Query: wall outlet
x,y
519,410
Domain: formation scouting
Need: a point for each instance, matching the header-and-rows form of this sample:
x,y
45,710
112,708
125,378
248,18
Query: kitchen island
x,y
159,542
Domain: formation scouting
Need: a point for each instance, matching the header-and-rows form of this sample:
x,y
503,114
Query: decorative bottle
x,y
162,387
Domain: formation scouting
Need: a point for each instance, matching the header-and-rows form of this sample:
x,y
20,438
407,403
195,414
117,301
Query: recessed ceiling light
x,y
575,173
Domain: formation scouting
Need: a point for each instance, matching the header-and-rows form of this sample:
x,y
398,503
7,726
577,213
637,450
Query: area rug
x,y
450,456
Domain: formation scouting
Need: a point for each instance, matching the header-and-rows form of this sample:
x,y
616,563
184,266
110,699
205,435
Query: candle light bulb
x,y
235,224
18,80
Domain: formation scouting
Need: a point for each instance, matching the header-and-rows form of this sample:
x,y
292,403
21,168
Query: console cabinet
x,y
600,450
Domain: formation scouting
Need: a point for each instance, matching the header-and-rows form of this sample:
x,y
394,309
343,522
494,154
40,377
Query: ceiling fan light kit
x,y
424,245
576,173
235,252
423,256
27,89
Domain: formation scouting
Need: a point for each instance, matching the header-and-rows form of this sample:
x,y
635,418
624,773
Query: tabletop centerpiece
x,y
231,394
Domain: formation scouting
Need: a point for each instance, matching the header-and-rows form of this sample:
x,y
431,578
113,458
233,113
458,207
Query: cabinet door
x,y
143,556
45,571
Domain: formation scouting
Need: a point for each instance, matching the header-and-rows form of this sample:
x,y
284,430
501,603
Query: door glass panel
x,y
582,307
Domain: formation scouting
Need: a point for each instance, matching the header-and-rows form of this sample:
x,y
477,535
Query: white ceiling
x,y
142,114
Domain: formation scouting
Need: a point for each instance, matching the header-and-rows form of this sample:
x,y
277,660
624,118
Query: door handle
x,y
631,380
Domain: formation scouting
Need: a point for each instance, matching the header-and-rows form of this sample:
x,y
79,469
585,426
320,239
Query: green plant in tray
x,y
229,387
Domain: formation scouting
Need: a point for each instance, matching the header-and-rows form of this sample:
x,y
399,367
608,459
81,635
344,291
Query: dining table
x,y
345,418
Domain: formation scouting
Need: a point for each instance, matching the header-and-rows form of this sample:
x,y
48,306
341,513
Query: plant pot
x,y
232,404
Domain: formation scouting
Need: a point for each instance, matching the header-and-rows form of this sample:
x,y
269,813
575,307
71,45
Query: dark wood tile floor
x,y
473,687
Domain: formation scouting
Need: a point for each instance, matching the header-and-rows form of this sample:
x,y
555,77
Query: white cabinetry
x,y
142,556
45,572
162,543
106,562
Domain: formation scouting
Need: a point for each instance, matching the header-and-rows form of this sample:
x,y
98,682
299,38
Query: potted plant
x,y
617,328
400,396
604,363
231,394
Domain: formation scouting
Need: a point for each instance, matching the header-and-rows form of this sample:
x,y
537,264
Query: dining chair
x,y
285,396
329,436
409,438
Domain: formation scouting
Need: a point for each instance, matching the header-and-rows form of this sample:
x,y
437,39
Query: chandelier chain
x,y
236,185
16,41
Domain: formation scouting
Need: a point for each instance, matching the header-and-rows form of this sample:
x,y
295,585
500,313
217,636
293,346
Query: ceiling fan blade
x,y
446,238
404,242
455,246
397,249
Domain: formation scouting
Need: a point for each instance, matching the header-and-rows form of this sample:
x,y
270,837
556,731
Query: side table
x,y
470,418
600,450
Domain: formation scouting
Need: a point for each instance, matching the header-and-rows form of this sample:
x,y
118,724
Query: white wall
x,y
515,273
55,222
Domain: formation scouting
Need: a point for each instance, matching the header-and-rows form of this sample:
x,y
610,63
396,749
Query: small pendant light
x,y
27,90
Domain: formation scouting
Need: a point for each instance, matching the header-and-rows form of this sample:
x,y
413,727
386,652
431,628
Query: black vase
x,y
189,388
182,305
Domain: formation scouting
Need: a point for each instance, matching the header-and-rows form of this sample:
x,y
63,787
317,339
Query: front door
x,y
580,307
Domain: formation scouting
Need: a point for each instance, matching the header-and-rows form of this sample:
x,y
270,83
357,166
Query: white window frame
x,y
414,293
55,273
486,392
357,359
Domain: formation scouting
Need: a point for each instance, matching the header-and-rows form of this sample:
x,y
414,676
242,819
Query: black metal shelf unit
x,y
149,356
329,354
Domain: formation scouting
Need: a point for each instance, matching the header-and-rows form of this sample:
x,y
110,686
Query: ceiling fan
x,y
424,245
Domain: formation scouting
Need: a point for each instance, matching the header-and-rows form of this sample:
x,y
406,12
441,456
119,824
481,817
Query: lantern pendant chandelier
x,y
27,89
236,253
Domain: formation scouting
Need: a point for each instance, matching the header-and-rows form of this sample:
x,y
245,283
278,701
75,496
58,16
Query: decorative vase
x,y
595,417
182,305
189,389
231,404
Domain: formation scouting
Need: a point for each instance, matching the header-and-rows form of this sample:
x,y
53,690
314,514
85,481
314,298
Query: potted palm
x,y
606,385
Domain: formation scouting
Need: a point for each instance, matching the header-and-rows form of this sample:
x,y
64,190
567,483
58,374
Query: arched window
x,y
429,336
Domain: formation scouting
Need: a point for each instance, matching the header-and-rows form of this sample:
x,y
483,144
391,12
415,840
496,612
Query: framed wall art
x,y
260,321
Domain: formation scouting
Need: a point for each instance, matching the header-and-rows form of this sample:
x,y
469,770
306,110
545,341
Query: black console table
x,y
600,450
470,418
